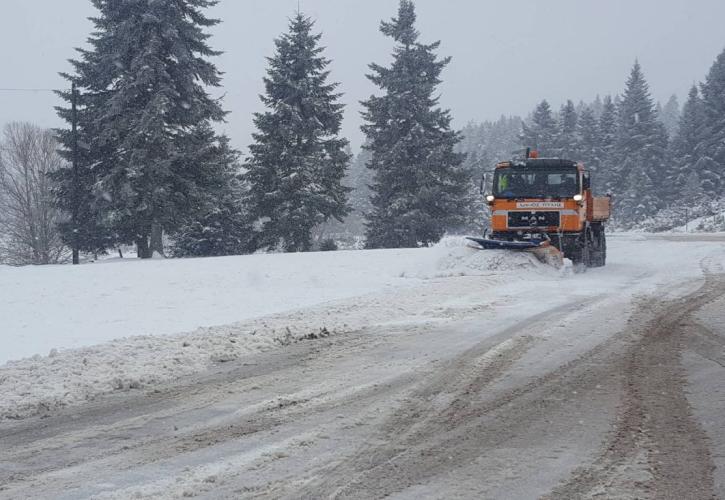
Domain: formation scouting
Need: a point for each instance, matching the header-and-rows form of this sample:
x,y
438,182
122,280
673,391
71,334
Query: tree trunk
x,y
142,248
157,239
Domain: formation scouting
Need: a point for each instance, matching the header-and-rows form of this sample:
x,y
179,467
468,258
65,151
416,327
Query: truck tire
x,y
603,260
579,252
599,246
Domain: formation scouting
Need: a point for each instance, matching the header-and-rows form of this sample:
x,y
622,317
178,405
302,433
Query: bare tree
x,y
28,216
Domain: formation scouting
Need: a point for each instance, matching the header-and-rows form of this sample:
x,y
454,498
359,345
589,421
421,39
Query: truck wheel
x,y
580,254
599,247
602,261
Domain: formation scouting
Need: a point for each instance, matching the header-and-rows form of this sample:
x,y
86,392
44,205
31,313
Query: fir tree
x,y
708,172
359,179
669,115
350,233
637,197
489,142
712,145
692,190
641,148
597,107
143,82
484,145
540,133
566,134
76,191
683,149
607,144
588,140
420,187
298,160
219,225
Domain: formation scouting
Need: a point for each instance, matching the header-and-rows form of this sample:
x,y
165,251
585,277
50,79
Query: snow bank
x,y
67,307
454,257
41,384
95,319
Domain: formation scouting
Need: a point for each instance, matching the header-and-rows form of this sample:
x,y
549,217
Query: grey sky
x,y
507,54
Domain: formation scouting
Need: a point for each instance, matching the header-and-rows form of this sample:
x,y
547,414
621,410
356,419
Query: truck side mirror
x,y
482,187
587,181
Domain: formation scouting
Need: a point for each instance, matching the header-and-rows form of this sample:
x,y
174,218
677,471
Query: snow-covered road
x,y
454,377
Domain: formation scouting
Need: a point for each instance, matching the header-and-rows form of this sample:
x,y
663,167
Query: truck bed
x,y
601,208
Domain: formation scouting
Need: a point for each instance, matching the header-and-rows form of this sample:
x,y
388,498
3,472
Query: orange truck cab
x,y
549,202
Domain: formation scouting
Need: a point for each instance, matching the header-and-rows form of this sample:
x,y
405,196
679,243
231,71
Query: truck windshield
x,y
530,183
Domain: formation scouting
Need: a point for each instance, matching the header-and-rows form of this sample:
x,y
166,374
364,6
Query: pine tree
x,y
489,142
566,134
597,107
219,225
637,198
692,190
607,143
589,140
708,171
712,145
540,133
298,160
420,186
669,115
143,82
640,148
683,148
359,179
484,145
76,192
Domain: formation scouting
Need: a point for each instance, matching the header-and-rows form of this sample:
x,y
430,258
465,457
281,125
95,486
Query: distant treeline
x,y
648,156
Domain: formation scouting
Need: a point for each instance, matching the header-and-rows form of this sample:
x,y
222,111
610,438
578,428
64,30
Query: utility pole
x,y
75,191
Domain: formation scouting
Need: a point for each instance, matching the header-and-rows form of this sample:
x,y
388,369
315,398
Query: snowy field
x,y
53,308
70,334
68,307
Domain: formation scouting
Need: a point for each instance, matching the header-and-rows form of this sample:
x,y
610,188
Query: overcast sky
x,y
507,54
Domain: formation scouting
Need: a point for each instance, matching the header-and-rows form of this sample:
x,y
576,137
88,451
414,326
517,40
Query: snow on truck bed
x,y
93,329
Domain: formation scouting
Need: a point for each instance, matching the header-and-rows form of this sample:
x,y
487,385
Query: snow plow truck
x,y
546,205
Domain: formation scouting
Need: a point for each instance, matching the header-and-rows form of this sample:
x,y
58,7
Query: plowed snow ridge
x,y
380,294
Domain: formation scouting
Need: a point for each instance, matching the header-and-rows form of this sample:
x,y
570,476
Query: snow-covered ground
x,y
69,307
64,307
453,362
97,328
705,217
707,224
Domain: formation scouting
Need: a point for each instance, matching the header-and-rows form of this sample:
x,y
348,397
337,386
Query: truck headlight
x,y
490,198
578,197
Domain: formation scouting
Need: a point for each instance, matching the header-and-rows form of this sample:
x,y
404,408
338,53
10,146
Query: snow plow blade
x,y
543,251
488,244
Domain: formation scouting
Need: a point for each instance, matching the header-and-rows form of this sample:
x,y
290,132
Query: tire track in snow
x,y
657,449
448,422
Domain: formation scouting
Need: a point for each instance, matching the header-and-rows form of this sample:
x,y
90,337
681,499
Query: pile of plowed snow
x,y
456,256
41,384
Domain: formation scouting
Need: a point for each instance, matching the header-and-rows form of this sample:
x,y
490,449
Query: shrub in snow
x,y
328,245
